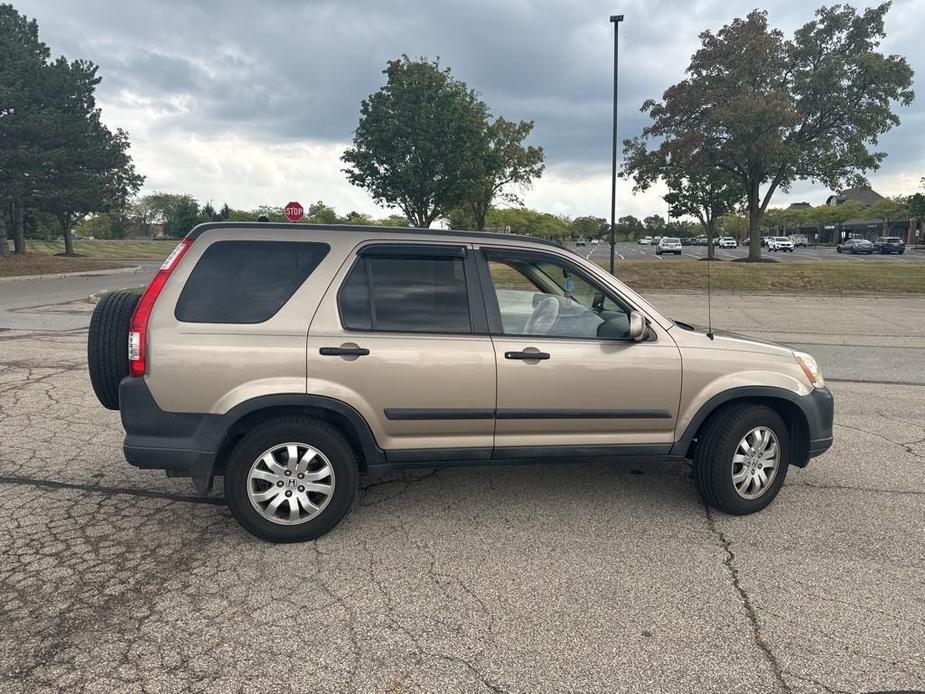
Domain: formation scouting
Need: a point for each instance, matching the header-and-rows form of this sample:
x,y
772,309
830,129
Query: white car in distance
x,y
728,242
668,244
780,243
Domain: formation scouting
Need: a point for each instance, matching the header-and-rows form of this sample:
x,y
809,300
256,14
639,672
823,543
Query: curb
x,y
83,273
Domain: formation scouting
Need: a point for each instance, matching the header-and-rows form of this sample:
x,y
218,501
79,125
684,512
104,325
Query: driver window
x,y
540,297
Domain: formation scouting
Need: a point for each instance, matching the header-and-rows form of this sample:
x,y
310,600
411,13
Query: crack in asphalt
x,y
905,445
745,599
111,491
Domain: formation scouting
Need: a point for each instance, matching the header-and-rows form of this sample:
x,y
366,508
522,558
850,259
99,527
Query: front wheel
x,y
741,458
291,479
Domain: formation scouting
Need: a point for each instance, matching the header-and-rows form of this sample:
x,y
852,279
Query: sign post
x,y
294,211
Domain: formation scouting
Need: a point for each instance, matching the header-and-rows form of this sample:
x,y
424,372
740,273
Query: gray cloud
x,y
281,70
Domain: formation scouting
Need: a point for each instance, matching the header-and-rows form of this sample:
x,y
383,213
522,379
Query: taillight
x,y
138,329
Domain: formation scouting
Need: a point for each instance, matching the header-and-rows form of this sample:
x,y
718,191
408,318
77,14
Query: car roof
x,y
373,230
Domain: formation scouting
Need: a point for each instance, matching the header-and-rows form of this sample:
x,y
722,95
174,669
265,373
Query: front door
x,y
570,381
401,336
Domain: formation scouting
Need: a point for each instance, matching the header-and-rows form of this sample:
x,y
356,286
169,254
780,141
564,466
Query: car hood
x,y
697,337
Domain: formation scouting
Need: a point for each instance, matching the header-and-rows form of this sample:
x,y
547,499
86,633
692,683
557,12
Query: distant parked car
x,y
580,243
668,245
799,240
645,241
780,243
889,244
701,241
728,242
595,242
855,246
764,240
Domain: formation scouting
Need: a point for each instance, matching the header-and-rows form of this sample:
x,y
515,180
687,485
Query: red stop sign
x,y
294,211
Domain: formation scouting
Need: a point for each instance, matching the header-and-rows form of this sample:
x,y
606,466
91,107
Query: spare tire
x,y
107,345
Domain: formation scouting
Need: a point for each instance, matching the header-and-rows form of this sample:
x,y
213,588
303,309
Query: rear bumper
x,y
179,443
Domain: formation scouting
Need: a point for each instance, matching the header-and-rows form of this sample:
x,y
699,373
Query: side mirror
x,y
637,329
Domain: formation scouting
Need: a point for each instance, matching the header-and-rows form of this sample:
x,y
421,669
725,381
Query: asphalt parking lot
x,y
587,577
633,251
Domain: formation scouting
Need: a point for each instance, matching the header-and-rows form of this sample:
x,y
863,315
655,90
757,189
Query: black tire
x,y
318,434
107,345
718,440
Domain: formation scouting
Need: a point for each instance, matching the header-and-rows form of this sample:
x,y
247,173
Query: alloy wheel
x,y
755,462
290,483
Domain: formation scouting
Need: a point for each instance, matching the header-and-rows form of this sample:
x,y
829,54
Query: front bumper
x,y
819,409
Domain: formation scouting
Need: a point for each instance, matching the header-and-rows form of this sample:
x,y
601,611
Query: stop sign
x,y
294,211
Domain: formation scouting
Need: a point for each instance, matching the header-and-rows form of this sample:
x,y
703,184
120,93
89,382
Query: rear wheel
x,y
291,479
107,345
741,458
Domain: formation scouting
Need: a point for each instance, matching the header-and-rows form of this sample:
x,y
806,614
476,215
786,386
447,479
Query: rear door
x,y
401,336
570,382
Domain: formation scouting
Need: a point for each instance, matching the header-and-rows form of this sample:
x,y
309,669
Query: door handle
x,y
526,355
343,351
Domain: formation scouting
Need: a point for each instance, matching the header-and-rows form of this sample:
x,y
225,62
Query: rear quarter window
x,y
246,281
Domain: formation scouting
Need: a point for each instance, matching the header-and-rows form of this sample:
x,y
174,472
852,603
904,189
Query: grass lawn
x,y
117,250
829,277
38,264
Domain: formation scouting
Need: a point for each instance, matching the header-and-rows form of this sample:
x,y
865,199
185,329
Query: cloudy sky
x,y
252,103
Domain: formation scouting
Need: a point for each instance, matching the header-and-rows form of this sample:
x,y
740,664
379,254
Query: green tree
x,y
889,210
22,62
86,167
705,194
319,213
178,213
520,220
771,111
354,217
630,227
589,227
654,224
414,143
504,165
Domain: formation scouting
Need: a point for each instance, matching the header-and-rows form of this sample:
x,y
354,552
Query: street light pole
x,y
615,19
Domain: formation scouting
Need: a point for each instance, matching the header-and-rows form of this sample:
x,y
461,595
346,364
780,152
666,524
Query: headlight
x,y
810,368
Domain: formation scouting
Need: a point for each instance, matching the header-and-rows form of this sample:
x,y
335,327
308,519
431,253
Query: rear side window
x,y
406,294
246,281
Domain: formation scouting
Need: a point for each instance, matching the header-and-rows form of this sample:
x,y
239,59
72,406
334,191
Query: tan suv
x,y
293,358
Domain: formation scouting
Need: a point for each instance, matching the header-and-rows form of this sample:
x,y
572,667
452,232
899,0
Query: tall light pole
x,y
615,19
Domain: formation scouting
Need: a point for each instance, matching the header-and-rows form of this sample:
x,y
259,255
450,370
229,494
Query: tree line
x,y
755,113
57,158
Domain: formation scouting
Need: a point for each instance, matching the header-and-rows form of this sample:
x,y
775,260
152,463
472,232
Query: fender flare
x,y
224,423
813,426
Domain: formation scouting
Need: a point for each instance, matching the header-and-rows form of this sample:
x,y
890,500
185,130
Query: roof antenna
x,y
709,295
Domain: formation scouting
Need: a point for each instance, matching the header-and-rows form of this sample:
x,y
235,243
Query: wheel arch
x,y
243,417
786,403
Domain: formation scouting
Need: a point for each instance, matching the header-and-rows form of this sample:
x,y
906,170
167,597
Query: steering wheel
x,y
543,317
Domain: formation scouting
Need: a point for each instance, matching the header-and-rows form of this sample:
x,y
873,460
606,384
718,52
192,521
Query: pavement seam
x,y
849,488
745,599
111,491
